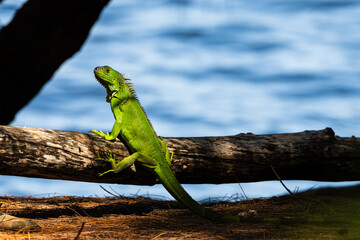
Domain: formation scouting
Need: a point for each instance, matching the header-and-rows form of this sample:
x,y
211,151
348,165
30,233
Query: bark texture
x,y
309,155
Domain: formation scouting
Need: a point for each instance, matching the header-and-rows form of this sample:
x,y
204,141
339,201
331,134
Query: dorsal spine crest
x,y
129,84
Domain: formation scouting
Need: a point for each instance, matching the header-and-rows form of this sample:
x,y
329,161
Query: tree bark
x,y
308,155
42,35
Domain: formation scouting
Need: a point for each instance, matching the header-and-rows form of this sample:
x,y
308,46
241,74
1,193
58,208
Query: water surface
x,y
208,68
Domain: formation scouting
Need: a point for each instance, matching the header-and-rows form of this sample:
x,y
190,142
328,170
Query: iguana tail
x,y
178,192
171,184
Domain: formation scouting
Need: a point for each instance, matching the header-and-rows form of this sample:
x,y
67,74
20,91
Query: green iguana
x,y
139,136
150,150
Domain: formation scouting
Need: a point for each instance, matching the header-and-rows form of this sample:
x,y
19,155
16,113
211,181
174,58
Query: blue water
x,y
207,68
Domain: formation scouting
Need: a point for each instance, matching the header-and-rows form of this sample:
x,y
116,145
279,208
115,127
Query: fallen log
x,y
308,155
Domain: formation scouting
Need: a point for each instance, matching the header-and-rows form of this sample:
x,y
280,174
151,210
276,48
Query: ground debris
x,y
143,218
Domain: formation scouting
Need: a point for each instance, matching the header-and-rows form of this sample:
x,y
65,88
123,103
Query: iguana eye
x,y
107,70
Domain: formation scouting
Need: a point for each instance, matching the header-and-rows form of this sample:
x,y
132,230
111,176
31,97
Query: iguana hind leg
x,y
165,150
110,157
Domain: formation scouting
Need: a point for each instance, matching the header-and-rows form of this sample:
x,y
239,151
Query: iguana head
x,y
115,83
107,77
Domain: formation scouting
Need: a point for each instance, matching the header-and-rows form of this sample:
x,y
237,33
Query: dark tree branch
x,y
309,155
42,35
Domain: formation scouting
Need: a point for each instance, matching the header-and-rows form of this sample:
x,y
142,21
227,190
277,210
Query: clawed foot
x,y
106,136
99,133
109,157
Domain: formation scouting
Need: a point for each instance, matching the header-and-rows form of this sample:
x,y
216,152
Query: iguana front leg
x,y
117,125
145,161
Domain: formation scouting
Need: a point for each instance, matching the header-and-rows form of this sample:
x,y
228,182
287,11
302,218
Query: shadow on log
x,y
309,155
42,35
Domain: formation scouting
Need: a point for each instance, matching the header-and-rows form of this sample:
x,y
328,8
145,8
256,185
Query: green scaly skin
x,y
151,151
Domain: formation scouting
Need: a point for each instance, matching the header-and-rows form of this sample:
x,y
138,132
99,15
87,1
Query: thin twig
x,y
80,230
118,194
278,177
158,235
246,197
109,192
